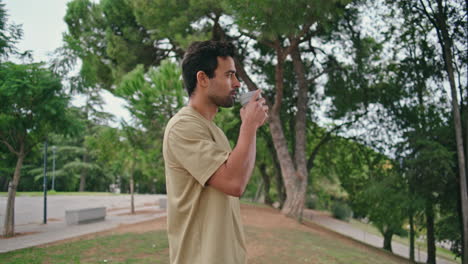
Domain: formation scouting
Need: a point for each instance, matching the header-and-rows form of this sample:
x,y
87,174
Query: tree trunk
x,y
294,202
9,225
460,223
387,244
277,132
266,183
83,174
278,177
132,189
461,161
463,213
446,44
431,249
301,179
412,234
132,201
301,116
258,193
280,188
293,181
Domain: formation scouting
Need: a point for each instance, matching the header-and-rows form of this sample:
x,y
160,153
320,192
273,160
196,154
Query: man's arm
x,y
233,175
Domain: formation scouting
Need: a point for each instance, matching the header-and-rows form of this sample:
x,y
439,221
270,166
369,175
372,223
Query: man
x,y
204,176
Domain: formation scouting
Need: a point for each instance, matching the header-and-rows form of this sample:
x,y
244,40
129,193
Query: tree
x,y
449,24
33,105
9,34
172,26
374,186
153,98
403,92
285,37
74,156
109,40
93,116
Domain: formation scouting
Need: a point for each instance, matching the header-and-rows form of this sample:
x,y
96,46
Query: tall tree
x,y
374,185
283,27
173,25
9,34
448,20
404,93
109,40
153,97
33,105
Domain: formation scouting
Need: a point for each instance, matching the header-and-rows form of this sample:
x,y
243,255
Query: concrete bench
x,y
163,203
86,215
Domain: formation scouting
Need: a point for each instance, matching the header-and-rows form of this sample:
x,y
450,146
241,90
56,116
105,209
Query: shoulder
x,y
186,123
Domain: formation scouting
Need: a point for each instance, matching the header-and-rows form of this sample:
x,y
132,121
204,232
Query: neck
x,y
207,109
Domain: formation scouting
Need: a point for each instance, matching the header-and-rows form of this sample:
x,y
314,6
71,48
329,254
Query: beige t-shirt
x,y
204,224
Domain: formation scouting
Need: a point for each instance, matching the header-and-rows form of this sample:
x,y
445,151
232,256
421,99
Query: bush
x,y
342,211
311,202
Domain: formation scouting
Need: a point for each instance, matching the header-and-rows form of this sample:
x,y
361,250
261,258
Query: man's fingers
x,y
255,95
261,101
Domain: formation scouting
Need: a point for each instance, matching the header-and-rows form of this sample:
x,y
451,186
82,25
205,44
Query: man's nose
x,y
236,83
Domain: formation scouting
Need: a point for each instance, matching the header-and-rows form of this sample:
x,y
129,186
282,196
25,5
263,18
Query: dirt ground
x,y
260,217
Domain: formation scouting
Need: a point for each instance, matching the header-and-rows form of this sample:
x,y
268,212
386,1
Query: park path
x,y
29,217
349,230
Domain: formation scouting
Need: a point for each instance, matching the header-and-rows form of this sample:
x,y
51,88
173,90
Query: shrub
x,y
311,202
402,232
342,211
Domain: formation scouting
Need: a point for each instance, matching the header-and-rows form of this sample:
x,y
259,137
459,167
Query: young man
x,y
204,176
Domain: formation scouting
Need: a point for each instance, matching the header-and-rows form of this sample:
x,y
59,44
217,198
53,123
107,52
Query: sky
x,y
43,25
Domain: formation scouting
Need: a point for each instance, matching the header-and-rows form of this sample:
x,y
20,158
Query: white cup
x,y
245,97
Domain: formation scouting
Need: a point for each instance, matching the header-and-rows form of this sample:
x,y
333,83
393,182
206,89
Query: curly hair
x,y
202,56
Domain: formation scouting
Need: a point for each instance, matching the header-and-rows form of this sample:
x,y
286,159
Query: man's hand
x,y
232,177
255,112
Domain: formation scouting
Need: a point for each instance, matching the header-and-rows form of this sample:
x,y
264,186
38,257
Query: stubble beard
x,y
222,101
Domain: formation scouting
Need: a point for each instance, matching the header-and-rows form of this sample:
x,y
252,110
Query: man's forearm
x,y
242,159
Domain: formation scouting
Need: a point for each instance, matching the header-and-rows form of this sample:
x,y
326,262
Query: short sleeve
x,y
192,146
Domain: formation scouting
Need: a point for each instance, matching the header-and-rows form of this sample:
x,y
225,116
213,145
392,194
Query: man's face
x,y
223,86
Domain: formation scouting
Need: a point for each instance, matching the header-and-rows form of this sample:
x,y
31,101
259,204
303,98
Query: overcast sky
x,y
42,23
43,26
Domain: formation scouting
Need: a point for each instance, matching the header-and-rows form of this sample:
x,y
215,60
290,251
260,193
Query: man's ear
x,y
202,79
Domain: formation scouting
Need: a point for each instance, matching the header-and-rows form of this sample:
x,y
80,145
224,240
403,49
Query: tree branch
x,y
244,75
302,35
325,139
263,41
432,20
279,76
10,148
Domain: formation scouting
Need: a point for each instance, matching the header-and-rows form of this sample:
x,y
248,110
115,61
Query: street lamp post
x,y
54,148
45,182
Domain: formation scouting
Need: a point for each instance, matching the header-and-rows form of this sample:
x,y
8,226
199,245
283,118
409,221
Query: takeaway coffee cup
x,y
245,97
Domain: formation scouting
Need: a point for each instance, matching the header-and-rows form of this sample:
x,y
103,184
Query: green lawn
x,y
441,252
123,248
272,246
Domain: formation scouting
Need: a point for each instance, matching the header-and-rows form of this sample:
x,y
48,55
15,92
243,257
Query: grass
x,y
440,252
266,245
62,193
145,248
272,246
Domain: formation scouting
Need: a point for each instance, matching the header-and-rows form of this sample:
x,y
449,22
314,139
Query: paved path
x,y
363,236
29,217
